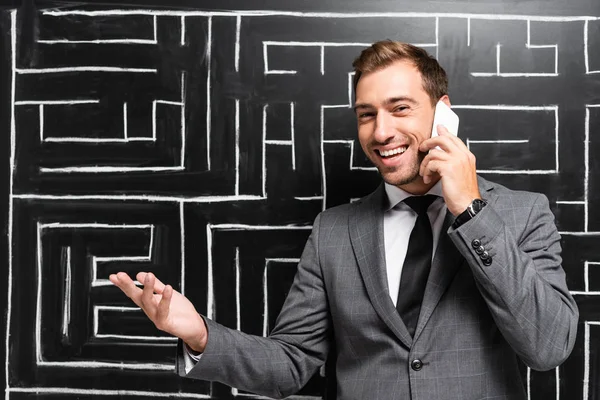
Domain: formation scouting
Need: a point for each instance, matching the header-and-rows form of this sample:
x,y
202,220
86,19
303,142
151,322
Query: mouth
x,y
391,153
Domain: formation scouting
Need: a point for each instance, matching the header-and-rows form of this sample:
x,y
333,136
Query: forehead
x,y
401,78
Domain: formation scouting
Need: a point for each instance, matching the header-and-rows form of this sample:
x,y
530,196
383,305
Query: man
x,y
404,325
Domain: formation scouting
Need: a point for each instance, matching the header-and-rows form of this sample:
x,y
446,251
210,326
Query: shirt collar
x,y
395,195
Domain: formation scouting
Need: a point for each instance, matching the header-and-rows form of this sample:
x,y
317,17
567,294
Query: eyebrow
x,y
386,102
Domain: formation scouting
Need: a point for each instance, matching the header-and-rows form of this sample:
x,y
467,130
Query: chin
x,y
402,175
398,179
398,176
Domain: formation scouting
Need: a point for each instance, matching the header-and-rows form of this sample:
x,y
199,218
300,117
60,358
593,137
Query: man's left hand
x,y
455,164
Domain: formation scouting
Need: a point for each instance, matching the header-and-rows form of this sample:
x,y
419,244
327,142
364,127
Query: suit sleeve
x,y
282,363
524,286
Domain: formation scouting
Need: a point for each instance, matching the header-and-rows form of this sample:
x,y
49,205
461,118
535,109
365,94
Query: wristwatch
x,y
472,210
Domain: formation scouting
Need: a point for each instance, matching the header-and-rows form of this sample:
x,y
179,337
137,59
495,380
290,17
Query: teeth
x,y
395,151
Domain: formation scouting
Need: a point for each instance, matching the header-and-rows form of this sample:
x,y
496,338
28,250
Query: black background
x,y
247,225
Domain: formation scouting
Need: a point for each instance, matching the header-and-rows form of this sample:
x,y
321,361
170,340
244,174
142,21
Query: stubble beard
x,y
391,176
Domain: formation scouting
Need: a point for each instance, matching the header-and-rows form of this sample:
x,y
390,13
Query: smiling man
x,y
432,287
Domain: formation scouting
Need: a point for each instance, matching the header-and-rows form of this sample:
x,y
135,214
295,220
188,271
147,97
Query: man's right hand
x,y
168,309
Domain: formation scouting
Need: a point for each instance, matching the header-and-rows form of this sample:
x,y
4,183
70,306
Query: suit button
x,y
476,243
485,255
487,262
416,364
480,250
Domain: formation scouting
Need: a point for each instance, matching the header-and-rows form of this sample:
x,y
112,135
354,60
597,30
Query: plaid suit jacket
x,y
476,320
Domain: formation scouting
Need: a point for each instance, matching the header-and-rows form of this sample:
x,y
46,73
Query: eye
x,y
365,115
400,108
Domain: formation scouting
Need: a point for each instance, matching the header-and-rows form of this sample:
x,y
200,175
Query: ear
x,y
446,100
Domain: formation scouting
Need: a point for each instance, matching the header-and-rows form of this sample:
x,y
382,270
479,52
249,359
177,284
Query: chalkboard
x,y
199,140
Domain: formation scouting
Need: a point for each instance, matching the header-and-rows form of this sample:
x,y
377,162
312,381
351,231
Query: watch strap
x,y
472,210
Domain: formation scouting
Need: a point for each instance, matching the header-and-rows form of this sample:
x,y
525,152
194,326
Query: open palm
x,y
169,310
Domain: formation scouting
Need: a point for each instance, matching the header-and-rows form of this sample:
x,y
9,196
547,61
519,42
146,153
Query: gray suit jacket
x,y
475,320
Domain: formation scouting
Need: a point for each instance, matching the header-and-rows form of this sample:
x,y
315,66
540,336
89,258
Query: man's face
x,y
394,116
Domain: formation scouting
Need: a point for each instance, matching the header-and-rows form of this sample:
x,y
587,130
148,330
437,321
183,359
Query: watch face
x,y
477,205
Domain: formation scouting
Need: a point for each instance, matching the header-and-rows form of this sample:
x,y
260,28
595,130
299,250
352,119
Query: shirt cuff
x,y
190,358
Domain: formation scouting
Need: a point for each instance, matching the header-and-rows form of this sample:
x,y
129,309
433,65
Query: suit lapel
x,y
446,263
366,235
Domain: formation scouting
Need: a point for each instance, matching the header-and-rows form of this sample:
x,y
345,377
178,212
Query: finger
x,y
158,285
148,300
444,142
434,154
444,132
123,281
113,278
438,154
423,165
162,312
127,286
431,169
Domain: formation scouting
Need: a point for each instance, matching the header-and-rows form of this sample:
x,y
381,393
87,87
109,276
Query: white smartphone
x,y
444,116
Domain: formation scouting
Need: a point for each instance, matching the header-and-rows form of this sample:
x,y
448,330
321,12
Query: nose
x,y
383,130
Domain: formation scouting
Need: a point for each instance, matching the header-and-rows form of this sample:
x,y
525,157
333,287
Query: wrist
x,y
472,209
198,341
196,346
463,207
459,207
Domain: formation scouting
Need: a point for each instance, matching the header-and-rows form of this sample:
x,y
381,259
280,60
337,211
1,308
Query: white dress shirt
x,y
189,358
398,222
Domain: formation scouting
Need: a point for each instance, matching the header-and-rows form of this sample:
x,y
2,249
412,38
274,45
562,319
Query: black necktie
x,y
416,264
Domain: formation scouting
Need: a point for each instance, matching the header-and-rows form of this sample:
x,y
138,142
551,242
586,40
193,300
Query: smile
x,y
392,152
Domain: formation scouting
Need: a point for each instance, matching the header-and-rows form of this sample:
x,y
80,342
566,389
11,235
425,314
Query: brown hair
x,y
384,53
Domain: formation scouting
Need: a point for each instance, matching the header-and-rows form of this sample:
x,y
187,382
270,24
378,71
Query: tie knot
x,y
420,204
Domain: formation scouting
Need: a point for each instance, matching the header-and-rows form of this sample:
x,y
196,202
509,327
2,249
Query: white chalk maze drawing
x,y
201,145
